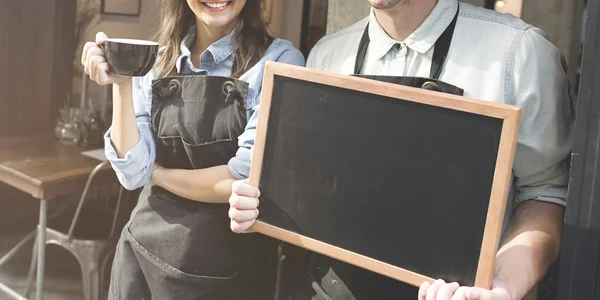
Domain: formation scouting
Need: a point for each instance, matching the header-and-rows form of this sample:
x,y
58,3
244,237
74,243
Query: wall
x,y
514,7
342,13
36,47
561,20
286,20
140,27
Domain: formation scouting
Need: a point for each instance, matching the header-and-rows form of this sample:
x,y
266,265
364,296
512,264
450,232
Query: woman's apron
x,y
186,249
324,278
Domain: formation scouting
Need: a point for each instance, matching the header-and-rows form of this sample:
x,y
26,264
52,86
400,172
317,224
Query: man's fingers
x,y
423,290
480,294
242,202
460,294
447,290
243,188
432,291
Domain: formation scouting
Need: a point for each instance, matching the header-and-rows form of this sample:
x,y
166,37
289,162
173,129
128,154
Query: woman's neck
x,y
401,21
206,36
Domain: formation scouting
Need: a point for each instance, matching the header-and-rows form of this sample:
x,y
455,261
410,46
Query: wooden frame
x,y
112,11
500,187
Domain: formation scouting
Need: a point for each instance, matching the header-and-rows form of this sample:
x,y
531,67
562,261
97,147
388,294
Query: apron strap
x,y
440,52
443,45
362,51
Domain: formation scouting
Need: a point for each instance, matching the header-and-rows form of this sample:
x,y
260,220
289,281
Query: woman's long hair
x,y
252,38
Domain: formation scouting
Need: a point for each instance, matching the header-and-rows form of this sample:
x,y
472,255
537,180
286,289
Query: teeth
x,y
216,4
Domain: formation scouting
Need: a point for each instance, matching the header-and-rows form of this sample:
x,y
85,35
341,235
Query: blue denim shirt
x,y
134,170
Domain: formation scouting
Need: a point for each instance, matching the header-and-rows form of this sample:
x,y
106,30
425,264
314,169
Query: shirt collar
x,y
219,50
422,39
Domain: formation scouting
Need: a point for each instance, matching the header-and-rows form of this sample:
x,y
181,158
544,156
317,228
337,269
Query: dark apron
x,y
324,278
185,249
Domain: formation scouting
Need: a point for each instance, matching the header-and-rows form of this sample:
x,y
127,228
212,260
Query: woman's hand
x,y
94,62
243,206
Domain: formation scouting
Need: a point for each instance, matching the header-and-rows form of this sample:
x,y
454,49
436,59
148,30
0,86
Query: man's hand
x,y
440,290
243,205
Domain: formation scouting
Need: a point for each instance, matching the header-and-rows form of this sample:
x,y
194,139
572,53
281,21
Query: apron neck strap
x,y
440,51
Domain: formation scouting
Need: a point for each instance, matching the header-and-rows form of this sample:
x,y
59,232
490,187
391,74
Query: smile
x,y
217,5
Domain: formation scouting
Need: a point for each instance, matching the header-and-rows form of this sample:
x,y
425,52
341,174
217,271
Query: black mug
x,y
130,57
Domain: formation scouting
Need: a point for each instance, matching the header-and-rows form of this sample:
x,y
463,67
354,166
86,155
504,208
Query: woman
x,y
188,116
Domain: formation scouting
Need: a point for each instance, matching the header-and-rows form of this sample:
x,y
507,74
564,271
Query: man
x,y
492,57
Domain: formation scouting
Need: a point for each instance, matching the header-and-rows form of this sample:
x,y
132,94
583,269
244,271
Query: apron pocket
x,y
170,152
194,246
172,272
210,154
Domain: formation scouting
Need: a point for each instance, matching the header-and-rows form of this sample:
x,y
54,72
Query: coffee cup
x,y
130,57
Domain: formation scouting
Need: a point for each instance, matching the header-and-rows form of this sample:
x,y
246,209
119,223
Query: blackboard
x,y
404,182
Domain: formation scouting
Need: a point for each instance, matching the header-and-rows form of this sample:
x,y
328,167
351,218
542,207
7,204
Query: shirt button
x,y
398,47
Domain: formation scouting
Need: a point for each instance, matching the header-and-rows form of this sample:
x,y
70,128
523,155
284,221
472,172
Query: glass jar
x,y
58,128
70,134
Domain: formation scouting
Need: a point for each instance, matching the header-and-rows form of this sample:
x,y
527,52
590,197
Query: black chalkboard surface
x,y
405,182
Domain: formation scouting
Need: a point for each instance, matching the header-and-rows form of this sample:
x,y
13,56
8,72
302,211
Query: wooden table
x,y
44,168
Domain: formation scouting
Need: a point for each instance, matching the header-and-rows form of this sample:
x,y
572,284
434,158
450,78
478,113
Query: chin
x,y
384,4
217,13
216,22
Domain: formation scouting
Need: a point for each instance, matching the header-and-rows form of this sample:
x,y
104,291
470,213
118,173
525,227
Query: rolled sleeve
x,y
135,168
239,165
539,85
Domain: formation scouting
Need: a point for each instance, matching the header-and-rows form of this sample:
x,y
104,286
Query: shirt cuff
x,y
239,165
131,169
544,193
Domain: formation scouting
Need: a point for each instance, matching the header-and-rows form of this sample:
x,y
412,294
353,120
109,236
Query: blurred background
x,y
51,117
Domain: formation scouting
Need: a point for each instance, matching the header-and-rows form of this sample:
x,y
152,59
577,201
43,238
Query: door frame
x,y
579,276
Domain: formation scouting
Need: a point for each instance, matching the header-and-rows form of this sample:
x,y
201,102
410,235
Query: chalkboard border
x,y
510,115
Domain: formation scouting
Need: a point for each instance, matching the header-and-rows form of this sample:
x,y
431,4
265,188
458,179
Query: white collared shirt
x,y
493,57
